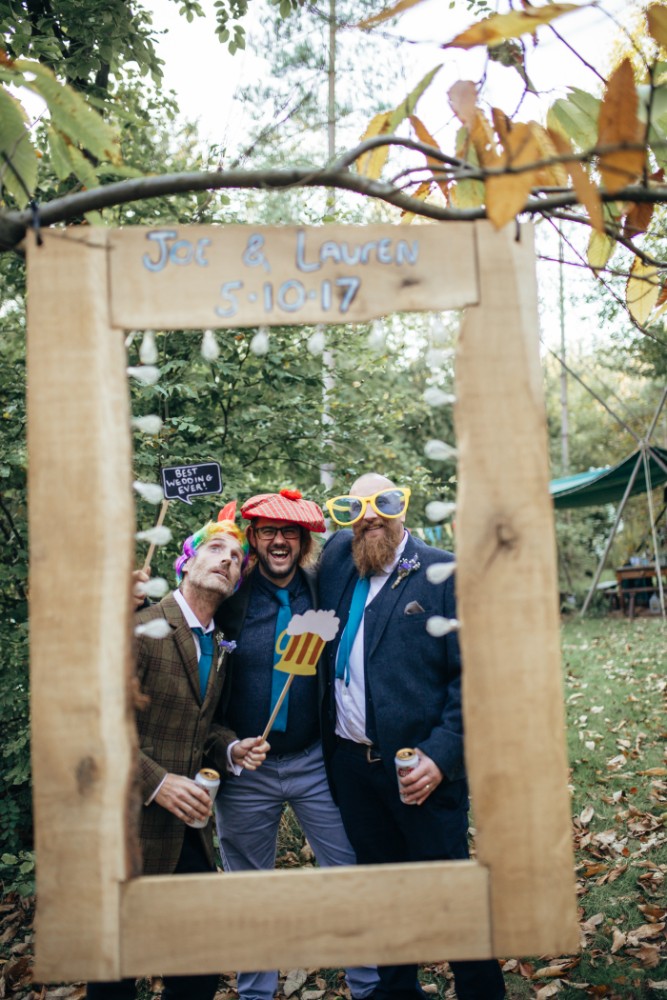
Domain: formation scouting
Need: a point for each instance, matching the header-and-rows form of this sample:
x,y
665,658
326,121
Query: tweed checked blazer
x,y
177,732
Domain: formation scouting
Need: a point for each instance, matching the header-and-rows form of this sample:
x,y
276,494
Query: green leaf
x,y
70,113
408,105
576,117
8,859
60,154
17,148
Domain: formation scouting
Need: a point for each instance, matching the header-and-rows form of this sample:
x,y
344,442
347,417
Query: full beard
x,y
372,554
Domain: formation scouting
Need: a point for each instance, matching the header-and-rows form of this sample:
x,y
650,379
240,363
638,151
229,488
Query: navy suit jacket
x,y
413,680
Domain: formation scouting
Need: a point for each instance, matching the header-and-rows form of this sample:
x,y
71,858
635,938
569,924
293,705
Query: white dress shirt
x,y
351,698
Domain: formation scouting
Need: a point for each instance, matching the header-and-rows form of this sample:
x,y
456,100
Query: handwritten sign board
x,y
234,276
182,482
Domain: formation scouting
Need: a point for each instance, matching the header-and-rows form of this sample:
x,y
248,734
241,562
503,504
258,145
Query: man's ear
x,y
250,535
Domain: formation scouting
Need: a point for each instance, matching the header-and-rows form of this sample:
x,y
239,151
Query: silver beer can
x,y
405,761
208,779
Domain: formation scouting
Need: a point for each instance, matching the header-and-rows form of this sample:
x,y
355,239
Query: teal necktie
x,y
346,643
279,676
205,658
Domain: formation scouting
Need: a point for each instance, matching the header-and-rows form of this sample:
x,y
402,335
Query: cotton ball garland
x,y
440,571
438,510
438,626
439,451
259,344
159,535
209,349
146,374
151,492
158,628
148,350
150,424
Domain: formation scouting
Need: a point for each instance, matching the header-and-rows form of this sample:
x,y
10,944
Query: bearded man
x,y
392,685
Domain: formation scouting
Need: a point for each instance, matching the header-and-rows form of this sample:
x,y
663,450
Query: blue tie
x,y
205,658
279,676
346,643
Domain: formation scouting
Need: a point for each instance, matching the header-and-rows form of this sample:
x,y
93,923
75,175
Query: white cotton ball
x,y
378,336
210,349
156,588
151,492
439,572
438,510
438,626
158,628
259,344
148,350
439,334
150,424
146,374
317,342
433,396
436,358
155,536
439,451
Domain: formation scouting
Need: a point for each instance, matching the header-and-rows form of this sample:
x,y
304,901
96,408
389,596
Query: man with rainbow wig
x,y
182,672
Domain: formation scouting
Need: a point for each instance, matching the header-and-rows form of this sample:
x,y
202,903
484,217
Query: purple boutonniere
x,y
224,646
405,568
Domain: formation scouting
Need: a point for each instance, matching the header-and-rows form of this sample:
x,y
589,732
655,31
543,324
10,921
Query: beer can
x,y
405,760
208,779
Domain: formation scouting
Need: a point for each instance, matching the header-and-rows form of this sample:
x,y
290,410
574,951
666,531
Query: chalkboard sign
x,y
182,482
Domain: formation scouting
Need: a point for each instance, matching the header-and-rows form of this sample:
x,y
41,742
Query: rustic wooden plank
x,y
237,275
508,604
285,919
81,525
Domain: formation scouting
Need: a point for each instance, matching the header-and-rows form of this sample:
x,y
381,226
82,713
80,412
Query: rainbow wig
x,y
205,534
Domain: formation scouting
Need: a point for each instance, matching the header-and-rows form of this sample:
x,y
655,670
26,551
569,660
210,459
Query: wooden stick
x,y
274,713
149,555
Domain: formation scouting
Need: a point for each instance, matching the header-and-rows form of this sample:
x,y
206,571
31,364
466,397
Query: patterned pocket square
x,y
413,608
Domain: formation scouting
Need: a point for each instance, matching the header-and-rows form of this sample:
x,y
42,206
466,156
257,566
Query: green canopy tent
x,y
640,472
608,485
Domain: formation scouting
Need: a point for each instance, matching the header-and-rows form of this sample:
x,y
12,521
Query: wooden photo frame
x,y
86,286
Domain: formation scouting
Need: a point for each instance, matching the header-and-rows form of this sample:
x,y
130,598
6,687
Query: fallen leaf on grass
x,y
586,815
549,991
662,985
588,926
645,931
429,988
294,981
557,969
618,940
648,955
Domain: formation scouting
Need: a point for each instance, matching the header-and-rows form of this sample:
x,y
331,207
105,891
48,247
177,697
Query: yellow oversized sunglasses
x,y
347,510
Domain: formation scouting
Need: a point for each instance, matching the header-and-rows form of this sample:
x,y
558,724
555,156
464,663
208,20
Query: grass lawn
x,y
615,680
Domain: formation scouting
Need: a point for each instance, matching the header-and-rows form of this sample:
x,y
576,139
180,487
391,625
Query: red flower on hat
x,y
291,494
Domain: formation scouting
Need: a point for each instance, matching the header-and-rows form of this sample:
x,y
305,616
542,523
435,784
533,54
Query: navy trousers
x,y
382,830
192,861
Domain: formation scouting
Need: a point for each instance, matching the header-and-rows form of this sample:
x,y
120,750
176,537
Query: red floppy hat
x,y
288,506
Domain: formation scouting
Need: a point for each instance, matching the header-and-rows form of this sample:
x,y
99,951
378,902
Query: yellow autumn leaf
x,y
463,193
600,248
421,193
386,15
425,136
370,164
585,190
642,290
506,194
555,174
656,16
619,124
499,27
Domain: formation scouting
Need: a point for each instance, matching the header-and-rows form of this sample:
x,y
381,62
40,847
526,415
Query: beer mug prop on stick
x,y
300,647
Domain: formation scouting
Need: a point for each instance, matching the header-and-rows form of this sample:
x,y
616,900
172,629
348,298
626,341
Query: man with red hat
x,y
249,806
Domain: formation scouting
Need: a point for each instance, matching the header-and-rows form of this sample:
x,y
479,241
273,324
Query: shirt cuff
x,y
155,791
231,765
